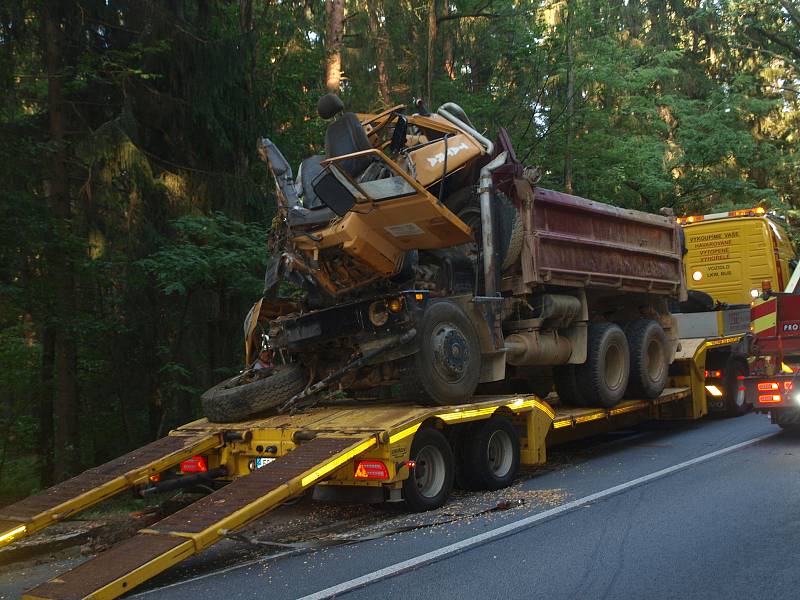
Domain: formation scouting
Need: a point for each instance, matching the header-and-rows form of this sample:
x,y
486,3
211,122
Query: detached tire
x,y
430,482
565,379
649,368
490,455
448,362
602,379
227,402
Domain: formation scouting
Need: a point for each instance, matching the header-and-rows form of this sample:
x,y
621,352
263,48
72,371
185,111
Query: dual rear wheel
x,y
633,361
486,457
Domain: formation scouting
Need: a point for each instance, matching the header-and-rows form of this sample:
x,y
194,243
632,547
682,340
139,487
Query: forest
x,y
134,211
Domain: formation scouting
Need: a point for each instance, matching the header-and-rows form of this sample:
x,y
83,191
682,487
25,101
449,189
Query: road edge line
x,y
516,526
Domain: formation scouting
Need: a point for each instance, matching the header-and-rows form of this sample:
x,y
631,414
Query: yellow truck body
x,y
729,255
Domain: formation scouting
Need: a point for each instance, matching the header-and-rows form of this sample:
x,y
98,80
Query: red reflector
x,y
371,469
155,478
769,399
411,464
196,464
740,377
768,386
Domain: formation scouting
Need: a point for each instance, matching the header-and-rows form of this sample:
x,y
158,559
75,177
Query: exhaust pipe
x,y
487,225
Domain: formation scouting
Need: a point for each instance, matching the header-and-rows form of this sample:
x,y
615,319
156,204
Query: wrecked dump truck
x,y
417,260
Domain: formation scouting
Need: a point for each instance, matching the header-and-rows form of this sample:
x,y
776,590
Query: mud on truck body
x,y
417,260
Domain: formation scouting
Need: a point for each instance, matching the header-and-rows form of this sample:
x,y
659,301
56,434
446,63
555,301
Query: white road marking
x,y
516,526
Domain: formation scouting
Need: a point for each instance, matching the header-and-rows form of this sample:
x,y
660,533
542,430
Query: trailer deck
x,y
319,446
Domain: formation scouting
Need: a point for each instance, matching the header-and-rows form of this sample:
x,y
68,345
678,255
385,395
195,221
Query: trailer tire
x,y
735,399
565,380
604,376
490,455
227,401
448,362
649,366
431,480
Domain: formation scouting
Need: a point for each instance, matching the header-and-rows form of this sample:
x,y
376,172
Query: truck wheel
x,y
648,359
604,376
735,405
448,362
431,480
234,400
566,383
490,455
466,204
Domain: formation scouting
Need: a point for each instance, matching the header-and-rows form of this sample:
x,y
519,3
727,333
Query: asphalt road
x,y
688,510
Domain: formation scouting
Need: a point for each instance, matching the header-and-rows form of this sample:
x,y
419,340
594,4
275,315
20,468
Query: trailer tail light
x,y
714,374
768,386
196,464
371,469
769,399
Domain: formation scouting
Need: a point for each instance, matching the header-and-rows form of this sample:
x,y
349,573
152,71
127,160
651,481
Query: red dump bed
x,y
576,242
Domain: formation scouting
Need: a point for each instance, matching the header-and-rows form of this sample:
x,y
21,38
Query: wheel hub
x,y
451,352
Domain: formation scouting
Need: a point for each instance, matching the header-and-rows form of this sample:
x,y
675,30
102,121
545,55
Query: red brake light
x,y
768,386
769,399
371,469
196,464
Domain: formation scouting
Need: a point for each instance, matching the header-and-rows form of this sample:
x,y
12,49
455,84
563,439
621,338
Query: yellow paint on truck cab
x,y
727,258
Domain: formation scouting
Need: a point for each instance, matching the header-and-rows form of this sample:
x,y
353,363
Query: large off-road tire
x,y
431,480
489,458
228,401
448,362
649,359
566,384
466,204
735,404
602,379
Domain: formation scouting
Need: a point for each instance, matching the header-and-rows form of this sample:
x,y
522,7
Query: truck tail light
x,y
769,399
371,469
196,464
768,386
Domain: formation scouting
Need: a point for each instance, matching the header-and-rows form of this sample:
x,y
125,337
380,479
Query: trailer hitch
x,y
291,403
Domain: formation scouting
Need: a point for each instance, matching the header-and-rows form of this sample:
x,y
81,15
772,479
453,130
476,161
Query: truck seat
x,y
344,136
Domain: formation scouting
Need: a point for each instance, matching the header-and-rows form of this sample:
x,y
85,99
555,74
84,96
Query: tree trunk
x,y
46,432
431,51
447,50
375,10
65,403
570,112
334,30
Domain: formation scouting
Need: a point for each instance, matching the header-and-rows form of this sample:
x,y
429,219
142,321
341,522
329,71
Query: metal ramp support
x,y
90,487
203,523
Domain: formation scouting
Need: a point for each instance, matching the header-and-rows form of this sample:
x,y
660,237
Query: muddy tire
x,y
649,355
566,384
603,378
448,362
228,401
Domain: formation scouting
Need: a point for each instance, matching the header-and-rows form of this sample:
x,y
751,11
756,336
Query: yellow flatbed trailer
x,y
271,460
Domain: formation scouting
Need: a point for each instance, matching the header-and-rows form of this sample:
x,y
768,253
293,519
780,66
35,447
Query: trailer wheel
x,y
237,400
648,359
735,404
566,383
448,362
490,455
429,484
604,376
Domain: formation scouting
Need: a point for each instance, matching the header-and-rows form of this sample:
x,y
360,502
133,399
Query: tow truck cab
x,y
729,254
